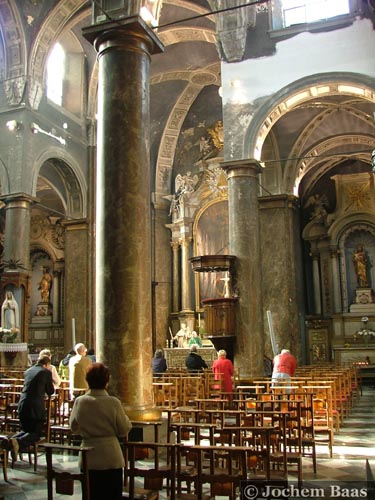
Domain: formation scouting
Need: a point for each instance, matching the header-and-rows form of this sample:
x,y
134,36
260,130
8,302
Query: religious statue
x,y
10,319
184,185
45,284
183,336
360,266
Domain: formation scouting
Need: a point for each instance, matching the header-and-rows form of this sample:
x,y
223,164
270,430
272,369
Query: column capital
x,y
242,168
18,199
175,244
109,34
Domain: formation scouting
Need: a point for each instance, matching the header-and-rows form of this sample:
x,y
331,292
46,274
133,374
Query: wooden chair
x,y
65,480
222,468
61,408
152,475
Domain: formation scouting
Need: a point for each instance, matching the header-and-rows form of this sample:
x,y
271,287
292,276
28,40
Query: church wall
x,y
282,277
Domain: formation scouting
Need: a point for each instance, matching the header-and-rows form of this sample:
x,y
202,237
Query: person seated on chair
x,y
31,406
100,419
194,362
159,363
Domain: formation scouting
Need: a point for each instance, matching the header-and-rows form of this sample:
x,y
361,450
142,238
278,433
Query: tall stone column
x,y
123,218
76,283
316,282
16,258
162,265
176,282
244,243
17,230
185,275
334,253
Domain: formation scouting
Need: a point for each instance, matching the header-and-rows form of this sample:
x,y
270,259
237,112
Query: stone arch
x,y
301,91
322,157
72,186
14,72
167,148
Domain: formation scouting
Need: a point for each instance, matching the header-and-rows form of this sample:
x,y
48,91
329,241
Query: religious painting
x,y
211,238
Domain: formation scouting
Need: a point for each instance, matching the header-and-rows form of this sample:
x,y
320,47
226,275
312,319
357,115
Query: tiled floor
x,y
353,446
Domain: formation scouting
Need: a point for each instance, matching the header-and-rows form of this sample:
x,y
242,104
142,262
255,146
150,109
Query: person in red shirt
x,y
223,370
284,367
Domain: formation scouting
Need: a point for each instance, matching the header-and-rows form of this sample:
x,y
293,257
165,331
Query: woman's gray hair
x,y
159,353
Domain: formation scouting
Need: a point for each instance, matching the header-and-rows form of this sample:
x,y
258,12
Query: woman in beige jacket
x,y
100,419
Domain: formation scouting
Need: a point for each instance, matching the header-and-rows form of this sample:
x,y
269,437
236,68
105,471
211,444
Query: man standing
x,y
78,365
31,406
194,362
284,367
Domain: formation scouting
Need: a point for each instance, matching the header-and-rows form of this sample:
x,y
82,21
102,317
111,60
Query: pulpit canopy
x,y
212,263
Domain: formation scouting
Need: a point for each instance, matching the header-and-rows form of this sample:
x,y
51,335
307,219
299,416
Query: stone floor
x,y
353,446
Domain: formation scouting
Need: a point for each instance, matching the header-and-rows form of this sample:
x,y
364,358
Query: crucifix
x,y
226,281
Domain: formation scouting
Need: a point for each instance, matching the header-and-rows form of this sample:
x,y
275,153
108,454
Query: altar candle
x,y
199,320
73,332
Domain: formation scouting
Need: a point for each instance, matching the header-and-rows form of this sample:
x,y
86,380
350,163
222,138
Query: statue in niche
x,y
10,319
360,266
45,284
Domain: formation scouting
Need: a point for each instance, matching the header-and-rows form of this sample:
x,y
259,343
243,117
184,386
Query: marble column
x,y
123,217
17,231
185,275
244,243
316,283
335,279
56,296
162,271
176,282
76,283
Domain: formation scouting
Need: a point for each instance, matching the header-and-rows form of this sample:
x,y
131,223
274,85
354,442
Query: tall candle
x,y
199,320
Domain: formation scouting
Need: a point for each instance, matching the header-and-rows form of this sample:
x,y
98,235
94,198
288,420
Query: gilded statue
x,y
360,266
45,284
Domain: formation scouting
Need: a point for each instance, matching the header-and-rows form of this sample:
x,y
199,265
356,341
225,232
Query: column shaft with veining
x,y
123,218
244,243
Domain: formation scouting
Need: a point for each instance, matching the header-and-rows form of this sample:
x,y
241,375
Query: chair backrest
x,y
150,471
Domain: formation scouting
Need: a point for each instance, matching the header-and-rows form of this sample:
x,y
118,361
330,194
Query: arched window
x,y
66,75
55,74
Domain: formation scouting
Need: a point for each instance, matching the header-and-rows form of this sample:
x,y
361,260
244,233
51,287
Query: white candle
x,y
199,320
73,332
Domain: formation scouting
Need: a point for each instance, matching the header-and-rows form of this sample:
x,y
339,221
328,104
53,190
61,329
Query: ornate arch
x,y
302,91
15,63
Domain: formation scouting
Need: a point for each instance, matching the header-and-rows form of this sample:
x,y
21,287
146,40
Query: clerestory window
x,y
65,75
291,13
